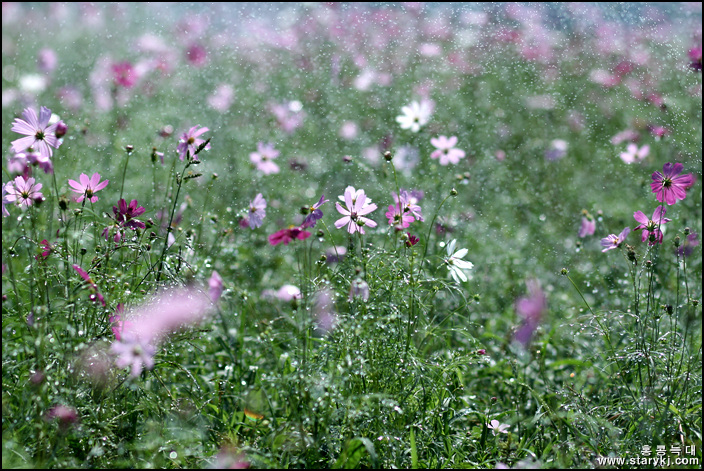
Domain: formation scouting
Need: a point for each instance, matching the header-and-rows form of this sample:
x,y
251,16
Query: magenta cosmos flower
x,y
398,217
651,225
357,205
189,142
263,157
40,135
88,187
446,151
23,192
125,218
287,235
613,241
670,186
91,284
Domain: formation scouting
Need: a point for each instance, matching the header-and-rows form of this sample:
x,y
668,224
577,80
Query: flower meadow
x,y
332,235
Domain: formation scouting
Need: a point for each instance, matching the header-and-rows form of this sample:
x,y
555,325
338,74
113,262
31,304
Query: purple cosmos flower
x,y
357,206
189,142
415,115
634,154
409,202
446,151
314,213
613,241
651,225
263,157
257,211
669,185
398,218
287,235
88,187
23,192
531,309
588,225
125,219
40,135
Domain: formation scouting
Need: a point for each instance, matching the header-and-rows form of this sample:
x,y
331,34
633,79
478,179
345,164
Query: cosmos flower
x,y
531,309
633,154
613,241
458,268
215,286
124,74
23,192
190,141
263,157
41,136
409,202
691,241
314,213
357,205
497,426
91,284
125,218
257,212
288,234
134,352
6,199
588,226
651,226
415,115
670,186
398,218
88,187
446,151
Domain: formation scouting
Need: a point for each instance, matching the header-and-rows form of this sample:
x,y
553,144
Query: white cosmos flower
x,y
415,115
458,268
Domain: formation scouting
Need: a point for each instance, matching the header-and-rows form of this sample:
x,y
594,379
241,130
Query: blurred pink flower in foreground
x,y
215,286
148,325
531,309
634,154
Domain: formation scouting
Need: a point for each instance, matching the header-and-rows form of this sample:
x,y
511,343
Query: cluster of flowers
x,y
669,187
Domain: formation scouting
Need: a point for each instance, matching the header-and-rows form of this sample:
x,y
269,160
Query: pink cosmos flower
x,y
409,202
634,154
189,142
40,135
497,426
651,225
6,199
613,241
46,248
446,151
66,416
588,225
119,323
531,309
23,192
288,234
357,205
91,284
215,286
124,74
263,157
257,211
135,352
314,213
398,217
669,185
88,187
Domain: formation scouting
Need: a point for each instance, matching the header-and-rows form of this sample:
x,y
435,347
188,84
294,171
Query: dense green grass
x,y
413,374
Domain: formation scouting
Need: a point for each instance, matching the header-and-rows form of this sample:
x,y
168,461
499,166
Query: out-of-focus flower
x,y
314,213
695,55
5,201
41,136
289,116
134,352
359,289
415,115
349,130
230,457
633,154
257,211
66,416
118,321
613,241
446,151
190,141
263,158
459,269
497,426
287,235
47,60
288,293
222,98
557,150
670,186
588,224
658,131
324,310
197,55
215,286
357,205
691,241
23,192
531,309
88,187
625,136
651,226
46,249
124,74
